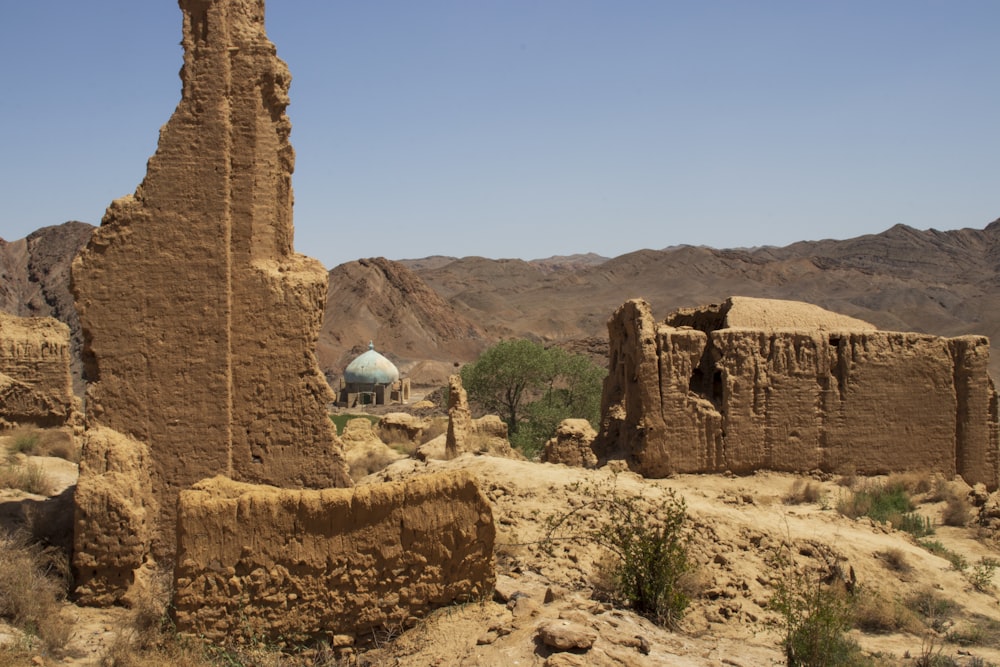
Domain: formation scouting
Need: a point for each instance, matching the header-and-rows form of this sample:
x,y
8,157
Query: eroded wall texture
x,y
799,391
200,321
308,564
36,387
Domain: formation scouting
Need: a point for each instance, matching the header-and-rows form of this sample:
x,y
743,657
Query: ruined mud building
x,y
200,325
761,384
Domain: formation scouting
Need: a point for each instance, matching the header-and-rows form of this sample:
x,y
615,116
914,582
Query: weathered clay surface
x,y
717,397
571,444
35,382
200,322
316,563
486,435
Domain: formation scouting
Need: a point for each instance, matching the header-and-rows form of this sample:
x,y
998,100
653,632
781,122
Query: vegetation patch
x,y
533,388
341,420
30,595
887,502
647,543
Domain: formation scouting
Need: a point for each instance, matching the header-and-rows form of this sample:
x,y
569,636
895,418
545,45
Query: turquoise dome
x,y
371,368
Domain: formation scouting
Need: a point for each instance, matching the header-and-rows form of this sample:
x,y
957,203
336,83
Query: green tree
x,y
533,389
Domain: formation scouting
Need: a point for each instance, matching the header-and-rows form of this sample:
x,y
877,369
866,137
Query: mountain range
x,y
430,315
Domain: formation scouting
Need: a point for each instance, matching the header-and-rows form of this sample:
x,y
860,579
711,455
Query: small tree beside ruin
x,y
533,388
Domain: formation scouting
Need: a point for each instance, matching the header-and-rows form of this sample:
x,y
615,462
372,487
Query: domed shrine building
x,y
371,379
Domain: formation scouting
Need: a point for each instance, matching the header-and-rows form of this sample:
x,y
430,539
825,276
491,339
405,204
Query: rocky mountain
x,y
35,275
945,283
430,314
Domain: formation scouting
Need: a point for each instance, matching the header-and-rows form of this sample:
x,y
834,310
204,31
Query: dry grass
x,y
43,442
30,596
803,491
875,614
373,461
437,427
956,511
895,559
29,477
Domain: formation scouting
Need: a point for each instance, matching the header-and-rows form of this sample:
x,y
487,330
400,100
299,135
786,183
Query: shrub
x,y
874,613
29,597
25,443
888,503
29,477
957,560
935,609
803,491
647,543
956,511
895,559
981,574
816,619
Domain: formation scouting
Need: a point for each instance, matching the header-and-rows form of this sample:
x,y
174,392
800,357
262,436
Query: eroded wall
x,y
740,399
36,386
296,564
200,321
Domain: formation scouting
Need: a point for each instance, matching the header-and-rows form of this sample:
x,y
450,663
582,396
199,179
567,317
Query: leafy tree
x,y
533,389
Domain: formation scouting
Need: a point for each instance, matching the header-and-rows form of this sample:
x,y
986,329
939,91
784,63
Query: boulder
x,y
571,444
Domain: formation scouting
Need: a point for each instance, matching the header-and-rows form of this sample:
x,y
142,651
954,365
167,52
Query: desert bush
x,y
29,477
981,574
935,610
803,491
816,618
977,631
29,596
895,559
957,560
647,544
956,510
373,460
437,427
25,442
876,614
887,502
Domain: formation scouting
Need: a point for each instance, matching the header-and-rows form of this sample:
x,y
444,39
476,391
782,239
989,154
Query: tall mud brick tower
x,y
200,321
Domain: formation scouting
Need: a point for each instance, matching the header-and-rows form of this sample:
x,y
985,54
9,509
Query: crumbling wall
x,y
200,322
272,563
781,398
36,386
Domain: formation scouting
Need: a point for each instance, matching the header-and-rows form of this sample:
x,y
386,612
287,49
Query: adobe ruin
x,y
763,384
314,564
200,324
36,386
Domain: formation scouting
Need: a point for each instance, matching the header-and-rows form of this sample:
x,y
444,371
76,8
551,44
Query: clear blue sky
x,y
530,128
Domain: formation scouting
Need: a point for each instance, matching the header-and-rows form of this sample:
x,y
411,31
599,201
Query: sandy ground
x,y
744,541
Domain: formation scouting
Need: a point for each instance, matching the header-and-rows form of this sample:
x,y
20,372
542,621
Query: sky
x,y
532,128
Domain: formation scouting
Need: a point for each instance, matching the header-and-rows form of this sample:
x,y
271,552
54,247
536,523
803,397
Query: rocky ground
x,y
552,605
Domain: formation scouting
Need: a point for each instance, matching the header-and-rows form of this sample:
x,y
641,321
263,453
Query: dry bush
x,y
372,461
29,477
935,609
956,510
875,614
29,596
57,443
804,491
437,427
895,559
914,483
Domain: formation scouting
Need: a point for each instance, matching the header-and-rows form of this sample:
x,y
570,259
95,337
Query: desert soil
x,y
745,540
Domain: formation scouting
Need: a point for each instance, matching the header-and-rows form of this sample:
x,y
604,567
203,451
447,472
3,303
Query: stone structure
x,y
371,379
310,564
36,387
200,321
486,435
572,444
754,384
